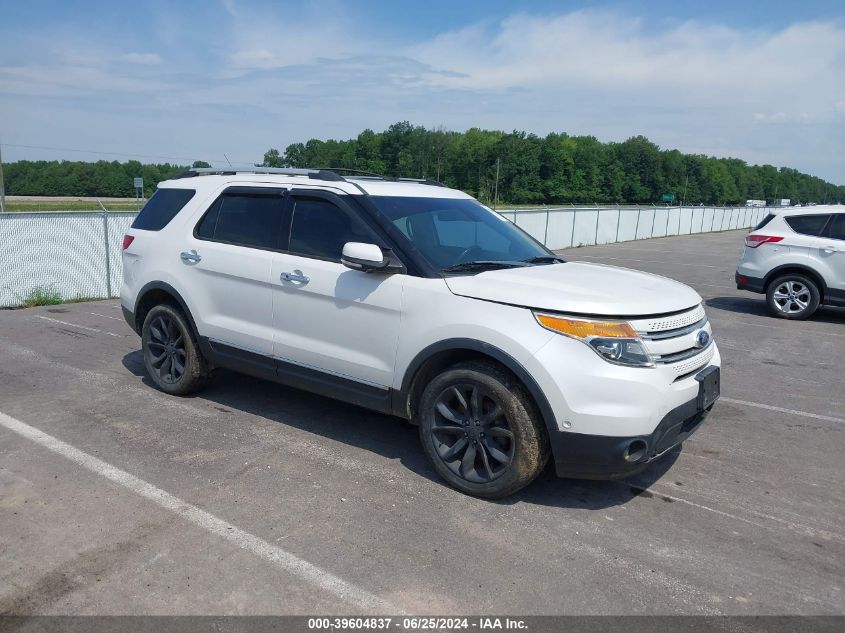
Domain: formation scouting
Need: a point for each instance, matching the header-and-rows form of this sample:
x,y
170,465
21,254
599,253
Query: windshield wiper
x,y
484,265
545,259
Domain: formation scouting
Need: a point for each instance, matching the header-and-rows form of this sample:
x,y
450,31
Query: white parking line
x,y
81,327
106,316
769,407
273,554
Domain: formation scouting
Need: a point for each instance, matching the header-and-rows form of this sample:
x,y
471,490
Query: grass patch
x,y
49,296
42,296
76,205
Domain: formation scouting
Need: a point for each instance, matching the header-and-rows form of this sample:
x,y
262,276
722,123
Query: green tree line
x,y
557,168
104,179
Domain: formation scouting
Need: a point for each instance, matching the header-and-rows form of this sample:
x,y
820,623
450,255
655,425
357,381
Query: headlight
x,y
615,341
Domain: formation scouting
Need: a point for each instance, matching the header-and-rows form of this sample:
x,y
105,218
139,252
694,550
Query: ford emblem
x,y
702,339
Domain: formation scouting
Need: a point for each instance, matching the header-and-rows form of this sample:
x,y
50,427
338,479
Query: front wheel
x,y
793,296
481,430
172,357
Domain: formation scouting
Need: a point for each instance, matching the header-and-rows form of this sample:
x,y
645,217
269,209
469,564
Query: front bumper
x,y
583,456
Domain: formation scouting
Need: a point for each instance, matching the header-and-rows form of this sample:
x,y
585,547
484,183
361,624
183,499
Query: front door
x,y
327,317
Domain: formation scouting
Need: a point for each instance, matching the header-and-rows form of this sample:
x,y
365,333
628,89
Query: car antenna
x,y
228,161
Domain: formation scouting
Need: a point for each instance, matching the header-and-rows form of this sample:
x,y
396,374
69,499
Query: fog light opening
x,y
636,451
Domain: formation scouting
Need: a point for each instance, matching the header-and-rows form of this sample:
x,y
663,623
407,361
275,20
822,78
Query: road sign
x,y
139,183
667,197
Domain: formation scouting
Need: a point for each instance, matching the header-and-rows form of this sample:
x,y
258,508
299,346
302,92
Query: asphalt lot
x,y
257,499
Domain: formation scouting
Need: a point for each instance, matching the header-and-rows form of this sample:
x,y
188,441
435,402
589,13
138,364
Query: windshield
x,y
453,231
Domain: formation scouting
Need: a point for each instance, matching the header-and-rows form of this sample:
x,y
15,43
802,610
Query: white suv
x,y
796,256
413,299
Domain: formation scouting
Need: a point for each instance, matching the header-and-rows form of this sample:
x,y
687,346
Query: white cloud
x,y
147,59
762,95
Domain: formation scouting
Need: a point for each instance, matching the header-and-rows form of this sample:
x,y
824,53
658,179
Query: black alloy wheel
x,y
165,349
472,435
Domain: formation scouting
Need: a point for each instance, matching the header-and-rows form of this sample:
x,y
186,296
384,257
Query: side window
x,y
764,222
320,229
161,208
807,224
837,227
246,220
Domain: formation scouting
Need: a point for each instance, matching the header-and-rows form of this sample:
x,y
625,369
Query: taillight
x,y
753,241
127,240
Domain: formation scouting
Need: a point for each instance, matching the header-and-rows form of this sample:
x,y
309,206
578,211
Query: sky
x,y
216,79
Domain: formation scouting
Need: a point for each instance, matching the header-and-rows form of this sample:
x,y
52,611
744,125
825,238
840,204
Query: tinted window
x,y
161,208
448,231
764,222
243,219
837,227
807,224
320,229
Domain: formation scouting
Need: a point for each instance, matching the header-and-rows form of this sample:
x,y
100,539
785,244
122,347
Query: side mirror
x,y
365,257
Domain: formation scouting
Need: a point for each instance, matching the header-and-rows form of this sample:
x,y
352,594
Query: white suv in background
x,y
796,256
415,300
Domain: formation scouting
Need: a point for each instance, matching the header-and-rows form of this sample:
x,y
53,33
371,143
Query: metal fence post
x,y
108,255
572,238
637,228
618,222
546,234
598,213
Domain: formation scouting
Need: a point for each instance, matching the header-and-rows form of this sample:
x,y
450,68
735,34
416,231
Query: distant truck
x,y
755,203
783,202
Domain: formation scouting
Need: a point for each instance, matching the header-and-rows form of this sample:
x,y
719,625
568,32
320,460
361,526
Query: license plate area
x,y
709,386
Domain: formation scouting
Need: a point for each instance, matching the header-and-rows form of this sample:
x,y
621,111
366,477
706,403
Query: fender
x,y
400,397
160,285
802,267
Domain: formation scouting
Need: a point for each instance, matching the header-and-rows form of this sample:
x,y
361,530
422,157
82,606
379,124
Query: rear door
x,y
326,316
226,264
832,253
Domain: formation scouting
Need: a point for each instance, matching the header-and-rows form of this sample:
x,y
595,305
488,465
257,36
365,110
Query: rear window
x,y
807,224
161,208
245,220
764,221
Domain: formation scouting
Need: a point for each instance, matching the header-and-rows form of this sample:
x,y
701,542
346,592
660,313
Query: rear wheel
x,y
172,357
793,296
481,430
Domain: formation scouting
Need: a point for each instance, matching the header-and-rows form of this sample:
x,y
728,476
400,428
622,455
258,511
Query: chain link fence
x,y
77,254
70,255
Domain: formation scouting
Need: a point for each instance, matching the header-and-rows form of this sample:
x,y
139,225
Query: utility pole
x,y
496,187
2,184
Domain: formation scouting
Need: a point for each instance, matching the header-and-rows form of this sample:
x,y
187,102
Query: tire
x,y
793,296
166,339
481,430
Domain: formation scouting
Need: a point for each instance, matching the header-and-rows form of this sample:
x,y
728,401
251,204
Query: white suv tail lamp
x,y
753,241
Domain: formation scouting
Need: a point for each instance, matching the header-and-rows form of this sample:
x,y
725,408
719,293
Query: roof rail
x,y
318,174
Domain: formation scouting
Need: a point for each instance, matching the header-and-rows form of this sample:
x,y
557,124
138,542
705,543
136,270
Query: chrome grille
x,y
675,321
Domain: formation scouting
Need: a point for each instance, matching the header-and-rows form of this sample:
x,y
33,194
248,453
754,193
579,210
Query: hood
x,y
578,288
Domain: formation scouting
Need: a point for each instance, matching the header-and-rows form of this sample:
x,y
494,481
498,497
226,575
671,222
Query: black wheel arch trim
x,y
160,285
401,404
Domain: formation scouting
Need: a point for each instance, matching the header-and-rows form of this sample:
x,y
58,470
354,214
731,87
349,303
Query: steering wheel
x,y
473,250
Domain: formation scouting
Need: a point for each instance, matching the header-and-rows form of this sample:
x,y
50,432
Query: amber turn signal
x,y
585,329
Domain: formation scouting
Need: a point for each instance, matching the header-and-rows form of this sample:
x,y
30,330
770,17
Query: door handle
x,y
828,249
191,257
296,277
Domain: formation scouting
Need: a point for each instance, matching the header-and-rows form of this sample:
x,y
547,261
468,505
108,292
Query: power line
x,y
123,154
